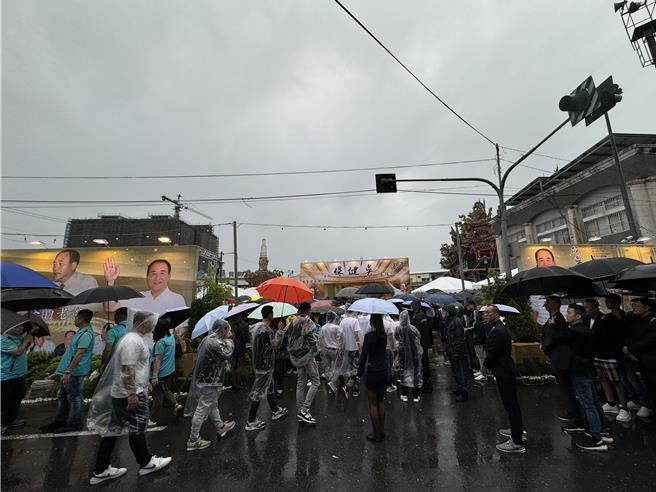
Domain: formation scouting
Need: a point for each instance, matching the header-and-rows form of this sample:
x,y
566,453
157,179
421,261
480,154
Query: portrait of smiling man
x,y
65,274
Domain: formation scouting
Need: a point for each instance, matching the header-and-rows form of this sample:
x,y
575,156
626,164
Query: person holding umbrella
x,y
13,344
73,367
265,342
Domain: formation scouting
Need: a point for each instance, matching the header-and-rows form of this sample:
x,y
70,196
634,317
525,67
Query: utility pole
x,y
234,236
625,193
460,260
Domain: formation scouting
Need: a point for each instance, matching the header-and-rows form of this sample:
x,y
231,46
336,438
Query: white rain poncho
x,y
265,342
302,341
126,374
408,358
209,370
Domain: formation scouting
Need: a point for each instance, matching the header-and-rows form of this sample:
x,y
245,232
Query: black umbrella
x,y
39,298
374,289
104,294
639,278
546,281
407,297
177,316
346,292
596,289
605,268
11,320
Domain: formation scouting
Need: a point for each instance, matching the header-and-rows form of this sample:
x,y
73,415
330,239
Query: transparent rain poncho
x,y
344,365
127,373
209,370
265,342
302,340
409,351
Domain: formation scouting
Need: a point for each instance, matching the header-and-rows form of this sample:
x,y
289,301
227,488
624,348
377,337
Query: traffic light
x,y
578,102
608,95
386,183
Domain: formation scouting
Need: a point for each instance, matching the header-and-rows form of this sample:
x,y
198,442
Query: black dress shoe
x,y
374,438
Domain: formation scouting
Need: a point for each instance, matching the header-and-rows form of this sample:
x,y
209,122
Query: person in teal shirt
x,y
73,367
115,334
13,345
162,369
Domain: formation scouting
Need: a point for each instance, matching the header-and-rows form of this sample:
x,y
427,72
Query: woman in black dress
x,y
374,361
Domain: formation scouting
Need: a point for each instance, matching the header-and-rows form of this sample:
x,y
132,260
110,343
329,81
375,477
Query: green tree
x,y
212,295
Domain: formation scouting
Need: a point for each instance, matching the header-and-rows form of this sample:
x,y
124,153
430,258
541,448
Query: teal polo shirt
x,y
166,348
83,339
114,335
12,367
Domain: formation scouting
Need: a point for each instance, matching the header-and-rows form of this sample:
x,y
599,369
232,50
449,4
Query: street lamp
x,y
164,239
594,239
37,243
101,241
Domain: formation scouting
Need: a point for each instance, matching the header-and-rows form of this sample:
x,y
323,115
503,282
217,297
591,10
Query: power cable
x,y
240,175
412,74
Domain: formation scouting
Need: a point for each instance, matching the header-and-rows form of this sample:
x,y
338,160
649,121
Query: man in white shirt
x,y
352,336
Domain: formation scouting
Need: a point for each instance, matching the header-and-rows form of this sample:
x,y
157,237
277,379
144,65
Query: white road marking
x,y
66,434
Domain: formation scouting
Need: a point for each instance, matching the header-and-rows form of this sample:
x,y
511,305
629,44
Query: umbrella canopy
x,y
241,308
327,309
322,303
11,320
285,289
407,297
38,298
251,293
177,316
604,268
445,284
346,292
280,310
104,294
13,275
596,289
396,300
205,323
546,281
639,278
374,289
440,298
503,309
372,305
421,303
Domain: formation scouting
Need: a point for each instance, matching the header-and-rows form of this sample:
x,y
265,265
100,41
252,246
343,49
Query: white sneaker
x,y
623,416
610,408
415,400
508,433
477,373
255,425
391,388
156,463
644,412
510,447
480,377
152,423
404,398
109,474
178,409
227,426
198,444
278,414
633,406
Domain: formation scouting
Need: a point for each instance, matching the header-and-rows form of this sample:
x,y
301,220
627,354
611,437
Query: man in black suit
x,y
423,325
498,361
556,345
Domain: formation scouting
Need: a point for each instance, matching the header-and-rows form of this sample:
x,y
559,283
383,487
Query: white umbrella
x,y
204,324
503,309
372,305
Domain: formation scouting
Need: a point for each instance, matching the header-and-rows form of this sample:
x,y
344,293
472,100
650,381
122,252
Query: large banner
x,y
394,272
569,255
79,269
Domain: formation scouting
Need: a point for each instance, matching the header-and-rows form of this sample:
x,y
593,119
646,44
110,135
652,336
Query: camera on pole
x,y
609,94
386,183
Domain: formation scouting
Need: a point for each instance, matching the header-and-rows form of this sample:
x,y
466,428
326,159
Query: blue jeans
x,y
71,401
586,395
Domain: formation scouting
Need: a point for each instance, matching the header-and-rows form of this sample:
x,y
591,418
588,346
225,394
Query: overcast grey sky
x,y
183,87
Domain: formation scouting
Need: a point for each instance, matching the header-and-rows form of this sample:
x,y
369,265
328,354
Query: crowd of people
x,y
584,348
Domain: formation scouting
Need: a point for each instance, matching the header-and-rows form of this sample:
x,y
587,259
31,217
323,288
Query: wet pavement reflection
x,y
437,444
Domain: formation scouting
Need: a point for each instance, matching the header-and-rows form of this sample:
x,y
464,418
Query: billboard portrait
x,y
569,255
328,277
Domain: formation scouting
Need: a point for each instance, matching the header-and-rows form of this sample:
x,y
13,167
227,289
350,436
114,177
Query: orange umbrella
x,y
285,289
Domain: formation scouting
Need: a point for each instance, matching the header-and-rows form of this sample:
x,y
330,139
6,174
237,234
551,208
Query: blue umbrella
x,y
372,305
440,298
15,276
204,324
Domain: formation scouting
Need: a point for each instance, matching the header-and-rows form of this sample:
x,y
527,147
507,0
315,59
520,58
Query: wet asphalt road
x,y
434,445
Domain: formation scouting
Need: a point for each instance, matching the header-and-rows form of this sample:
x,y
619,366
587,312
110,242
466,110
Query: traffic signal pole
x,y
625,194
499,189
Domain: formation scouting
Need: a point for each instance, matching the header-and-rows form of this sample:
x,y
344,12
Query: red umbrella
x,y
285,289
324,303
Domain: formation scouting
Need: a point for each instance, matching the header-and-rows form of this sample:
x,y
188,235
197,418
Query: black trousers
x,y
508,393
425,371
564,379
649,378
460,370
252,414
137,445
13,392
405,391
